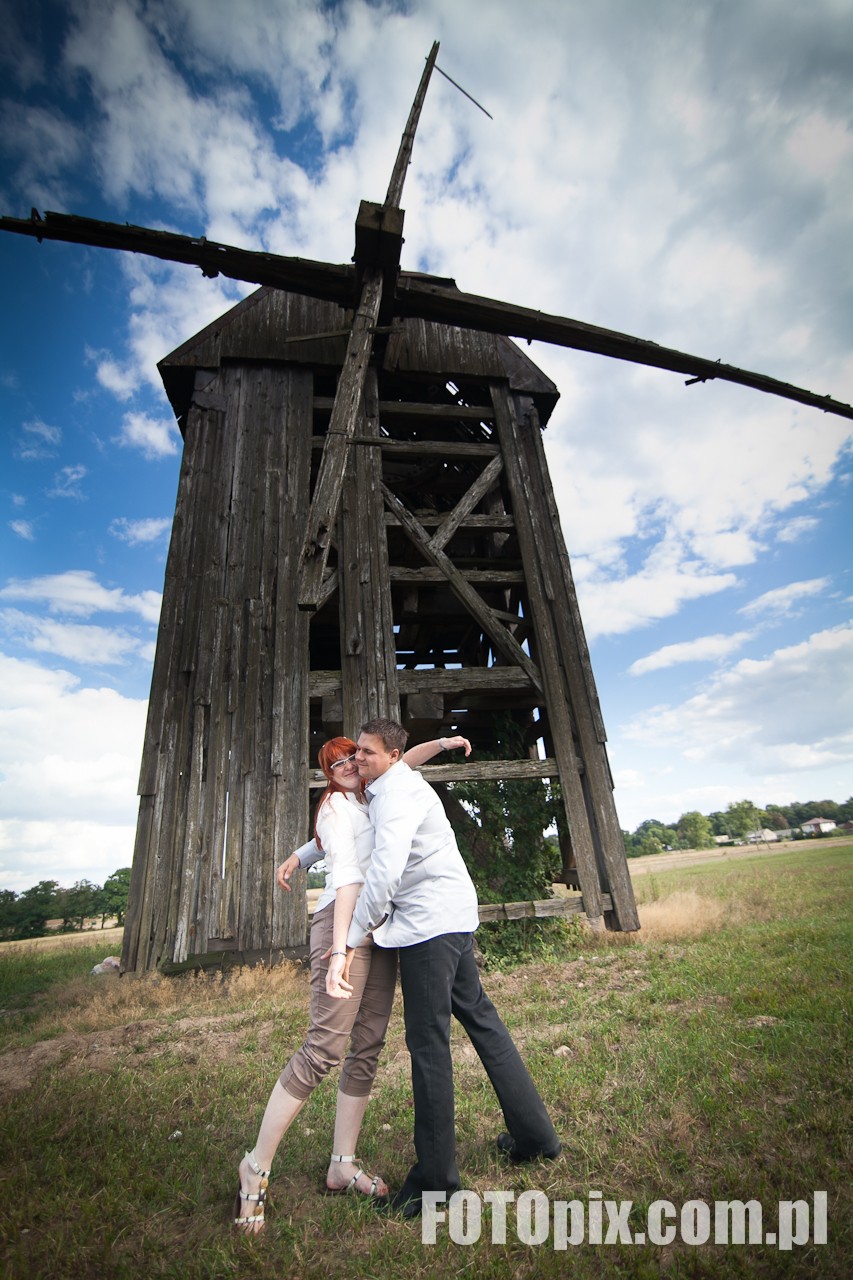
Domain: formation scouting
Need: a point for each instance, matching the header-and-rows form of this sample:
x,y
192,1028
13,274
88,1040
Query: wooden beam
x,y
416,411
438,679
548,908
532,535
345,415
416,448
492,577
475,771
482,522
505,644
416,296
481,486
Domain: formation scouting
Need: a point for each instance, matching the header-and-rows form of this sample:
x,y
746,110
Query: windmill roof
x,y
274,325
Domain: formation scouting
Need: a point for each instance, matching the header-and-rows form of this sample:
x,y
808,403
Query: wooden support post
x,y
590,813
345,416
368,657
531,536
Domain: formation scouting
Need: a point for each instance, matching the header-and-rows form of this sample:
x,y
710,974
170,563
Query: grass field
x,y
706,1059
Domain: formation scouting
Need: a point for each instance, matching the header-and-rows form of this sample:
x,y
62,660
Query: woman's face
x,y
345,773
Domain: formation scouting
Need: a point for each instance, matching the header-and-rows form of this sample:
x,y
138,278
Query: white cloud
x,y
23,528
66,482
703,649
788,712
155,437
613,603
78,592
782,601
797,528
76,642
121,381
140,532
38,440
69,765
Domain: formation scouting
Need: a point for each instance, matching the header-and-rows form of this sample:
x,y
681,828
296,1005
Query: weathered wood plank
x,y
479,522
543,909
505,644
418,448
474,771
478,490
418,411
577,673
345,415
290,735
530,537
369,666
493,577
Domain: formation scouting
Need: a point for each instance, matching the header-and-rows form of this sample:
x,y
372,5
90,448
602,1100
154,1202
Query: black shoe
x,y
508,1147
402,1204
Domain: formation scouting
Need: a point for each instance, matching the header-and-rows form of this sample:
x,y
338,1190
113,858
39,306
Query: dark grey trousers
x,y
439,978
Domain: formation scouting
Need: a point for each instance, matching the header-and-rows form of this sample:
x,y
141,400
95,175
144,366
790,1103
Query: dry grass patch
x,y
684,914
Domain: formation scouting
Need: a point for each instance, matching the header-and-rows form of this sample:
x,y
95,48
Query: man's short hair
x,y
393,735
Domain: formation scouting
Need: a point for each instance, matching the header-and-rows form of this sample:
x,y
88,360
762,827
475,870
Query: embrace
x,y
396,889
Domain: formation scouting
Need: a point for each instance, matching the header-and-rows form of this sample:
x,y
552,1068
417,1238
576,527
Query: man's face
x,y
372,756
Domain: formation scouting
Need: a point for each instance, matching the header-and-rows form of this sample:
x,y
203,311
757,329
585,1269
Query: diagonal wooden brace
x,y
346,414
506,644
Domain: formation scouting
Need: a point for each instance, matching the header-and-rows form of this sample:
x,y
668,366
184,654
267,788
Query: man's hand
x,y
285,871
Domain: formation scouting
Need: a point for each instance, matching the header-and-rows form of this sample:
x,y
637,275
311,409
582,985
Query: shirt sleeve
x,y
396,816
337,833
308,854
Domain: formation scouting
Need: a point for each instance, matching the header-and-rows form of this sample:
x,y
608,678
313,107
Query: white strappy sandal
x,y
256,1218
352,1185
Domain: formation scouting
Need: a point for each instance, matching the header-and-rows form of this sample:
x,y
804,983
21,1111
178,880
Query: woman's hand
x,y
337,976
450,744
285,871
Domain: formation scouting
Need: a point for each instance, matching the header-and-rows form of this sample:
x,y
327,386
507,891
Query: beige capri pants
x,y
363,1019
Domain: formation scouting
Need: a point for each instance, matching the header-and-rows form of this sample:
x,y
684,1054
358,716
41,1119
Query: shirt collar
x,y
376,787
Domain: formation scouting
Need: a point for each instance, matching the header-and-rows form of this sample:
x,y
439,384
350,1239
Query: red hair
x,y
330,753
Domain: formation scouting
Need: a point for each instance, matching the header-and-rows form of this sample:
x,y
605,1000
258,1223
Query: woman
x,y
343,831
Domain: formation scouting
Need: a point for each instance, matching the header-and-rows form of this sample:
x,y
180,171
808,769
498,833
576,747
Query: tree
x,y
114,895
654,836
776,819
741,817
78,902
502,836
35,907
694,831
8,913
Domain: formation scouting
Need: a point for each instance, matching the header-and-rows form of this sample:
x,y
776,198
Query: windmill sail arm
x,y
327,281
416,296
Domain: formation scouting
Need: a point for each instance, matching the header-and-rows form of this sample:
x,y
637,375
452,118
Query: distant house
x,y
723,840
818,826
762,837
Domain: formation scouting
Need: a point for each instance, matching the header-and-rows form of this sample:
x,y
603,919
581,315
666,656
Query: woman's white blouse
x,y
346,835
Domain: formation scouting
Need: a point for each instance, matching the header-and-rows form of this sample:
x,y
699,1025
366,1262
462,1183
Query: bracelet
x,y
337,953
441,743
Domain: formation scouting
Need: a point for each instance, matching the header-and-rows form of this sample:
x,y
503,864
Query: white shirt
x,y
416,877
346,835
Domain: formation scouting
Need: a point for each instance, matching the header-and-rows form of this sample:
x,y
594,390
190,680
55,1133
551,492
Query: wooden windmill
x,y
365,526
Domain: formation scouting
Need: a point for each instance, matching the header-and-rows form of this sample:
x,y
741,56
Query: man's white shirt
x,y
417,885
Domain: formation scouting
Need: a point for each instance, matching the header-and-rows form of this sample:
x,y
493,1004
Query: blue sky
x,y
680,172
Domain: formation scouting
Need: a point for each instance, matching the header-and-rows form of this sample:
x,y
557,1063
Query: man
x,y
419,897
